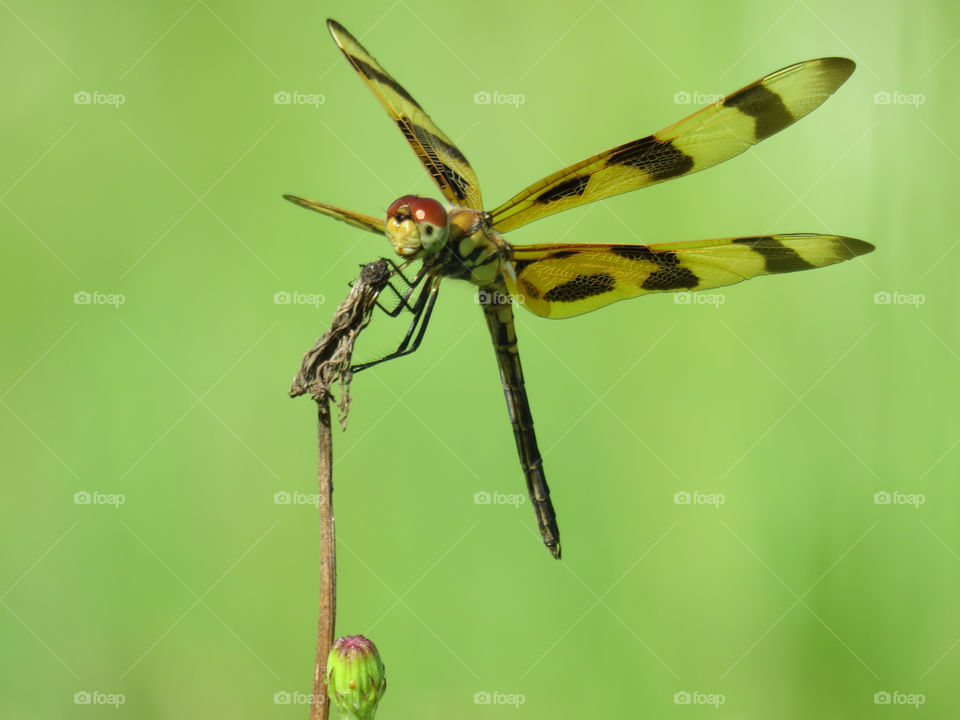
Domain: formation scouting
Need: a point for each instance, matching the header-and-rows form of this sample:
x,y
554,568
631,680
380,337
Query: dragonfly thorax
x,y
455,242
417,225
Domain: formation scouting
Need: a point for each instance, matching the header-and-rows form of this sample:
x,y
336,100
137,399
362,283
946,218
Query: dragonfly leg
x,y
422,310
404,298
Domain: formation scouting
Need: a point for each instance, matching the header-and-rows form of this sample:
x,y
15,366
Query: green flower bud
x,y
356,679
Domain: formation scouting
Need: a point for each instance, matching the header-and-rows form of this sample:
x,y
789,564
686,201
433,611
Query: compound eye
x,y
428,210
406,200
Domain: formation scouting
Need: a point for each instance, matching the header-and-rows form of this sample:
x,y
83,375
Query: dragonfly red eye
x,y
399,203
422,209
428,210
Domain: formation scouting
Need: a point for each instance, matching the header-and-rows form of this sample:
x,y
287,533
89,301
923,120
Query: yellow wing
x,y
445,163
716,133
364,222
561,281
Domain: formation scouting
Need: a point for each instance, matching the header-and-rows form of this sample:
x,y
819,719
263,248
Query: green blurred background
x,y
797,399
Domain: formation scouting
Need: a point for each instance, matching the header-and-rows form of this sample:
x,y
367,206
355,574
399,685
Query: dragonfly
x,y
456,238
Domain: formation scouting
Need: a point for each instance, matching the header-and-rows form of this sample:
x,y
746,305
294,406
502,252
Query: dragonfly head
x,y
416,224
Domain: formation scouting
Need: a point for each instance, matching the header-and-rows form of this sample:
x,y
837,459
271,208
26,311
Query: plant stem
x,y
320,708
327,362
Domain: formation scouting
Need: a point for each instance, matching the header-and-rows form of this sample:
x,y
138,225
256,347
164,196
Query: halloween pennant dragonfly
x,y
461,240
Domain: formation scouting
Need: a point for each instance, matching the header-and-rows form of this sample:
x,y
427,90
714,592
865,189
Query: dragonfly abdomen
x,y
497,308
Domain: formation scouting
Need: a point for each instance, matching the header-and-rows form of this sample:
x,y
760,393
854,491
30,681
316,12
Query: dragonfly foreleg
x,y
403,298
422,309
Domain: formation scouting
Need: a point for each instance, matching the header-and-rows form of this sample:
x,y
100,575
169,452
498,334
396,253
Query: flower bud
x,y
356,678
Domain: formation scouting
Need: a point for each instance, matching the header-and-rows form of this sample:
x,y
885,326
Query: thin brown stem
x,y
320,709
326,363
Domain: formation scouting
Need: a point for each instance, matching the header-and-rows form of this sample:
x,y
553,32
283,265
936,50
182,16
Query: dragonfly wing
x,y
443,160
364,222
560,281
716,133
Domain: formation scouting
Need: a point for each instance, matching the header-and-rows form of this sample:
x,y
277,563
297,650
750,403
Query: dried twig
x,y
329,359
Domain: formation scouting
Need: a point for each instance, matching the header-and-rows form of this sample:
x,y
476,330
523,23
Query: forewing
x,y
560,281
445,163
716,133
364,222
